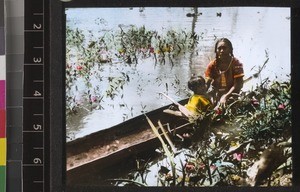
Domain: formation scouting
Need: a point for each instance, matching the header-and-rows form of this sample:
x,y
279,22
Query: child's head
x,y
197,84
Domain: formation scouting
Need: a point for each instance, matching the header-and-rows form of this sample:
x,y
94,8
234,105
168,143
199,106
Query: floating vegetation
x,y
86,56
250,147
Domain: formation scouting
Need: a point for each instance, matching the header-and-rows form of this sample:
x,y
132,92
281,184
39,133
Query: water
x,y
256,33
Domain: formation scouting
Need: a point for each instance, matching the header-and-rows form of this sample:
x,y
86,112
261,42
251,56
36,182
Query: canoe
x,y
110,146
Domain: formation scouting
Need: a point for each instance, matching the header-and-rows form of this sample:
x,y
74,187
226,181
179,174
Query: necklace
x,y
223,78
222,72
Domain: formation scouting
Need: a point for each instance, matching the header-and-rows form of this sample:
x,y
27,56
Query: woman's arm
x,y
238,73
236,88
208,83
209,75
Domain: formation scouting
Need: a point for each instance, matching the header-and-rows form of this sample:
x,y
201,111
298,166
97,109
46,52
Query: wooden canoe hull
x,y
106,147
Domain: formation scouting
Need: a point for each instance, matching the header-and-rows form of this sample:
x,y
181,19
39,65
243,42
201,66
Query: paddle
x,y
182,108
255,75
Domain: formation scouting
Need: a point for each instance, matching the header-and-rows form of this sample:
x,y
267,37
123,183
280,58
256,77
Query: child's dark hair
x,y
196,81
227,41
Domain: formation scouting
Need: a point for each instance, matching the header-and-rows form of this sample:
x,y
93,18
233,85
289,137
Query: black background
x,y
55,91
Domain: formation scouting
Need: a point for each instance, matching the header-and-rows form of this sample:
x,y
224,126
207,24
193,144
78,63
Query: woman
x,y
225,73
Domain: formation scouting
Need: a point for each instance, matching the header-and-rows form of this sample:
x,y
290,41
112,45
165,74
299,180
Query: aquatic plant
x,y
86,54
263,113
169,152
228,155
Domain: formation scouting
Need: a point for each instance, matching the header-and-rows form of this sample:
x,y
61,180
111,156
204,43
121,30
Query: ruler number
x,y
37,60
37,127
37,94
37,161
37,26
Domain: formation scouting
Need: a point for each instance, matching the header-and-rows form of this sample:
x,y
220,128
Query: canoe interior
x,y
84,154
129,127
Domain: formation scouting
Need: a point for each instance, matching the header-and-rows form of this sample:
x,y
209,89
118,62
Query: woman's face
x,y
223,50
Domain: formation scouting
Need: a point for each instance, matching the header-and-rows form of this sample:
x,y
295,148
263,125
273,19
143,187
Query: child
x,y
197,105
199,101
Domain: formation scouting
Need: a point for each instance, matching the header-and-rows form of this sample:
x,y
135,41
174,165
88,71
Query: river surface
x,y
256,34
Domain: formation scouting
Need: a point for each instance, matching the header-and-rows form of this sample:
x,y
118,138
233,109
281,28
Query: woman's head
x,y
197,84
223,48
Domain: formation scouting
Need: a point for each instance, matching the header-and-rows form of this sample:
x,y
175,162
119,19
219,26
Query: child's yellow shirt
x,y
198,104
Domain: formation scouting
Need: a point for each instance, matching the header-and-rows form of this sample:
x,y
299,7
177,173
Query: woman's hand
x,y
223,99
221,102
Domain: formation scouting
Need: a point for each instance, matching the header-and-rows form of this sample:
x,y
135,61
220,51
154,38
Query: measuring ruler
x,y
34,97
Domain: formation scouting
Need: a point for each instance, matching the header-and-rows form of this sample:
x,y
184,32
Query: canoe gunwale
x,y
134,126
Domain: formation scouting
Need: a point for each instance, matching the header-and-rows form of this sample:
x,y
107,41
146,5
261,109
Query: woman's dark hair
x,y
196,81
227,42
